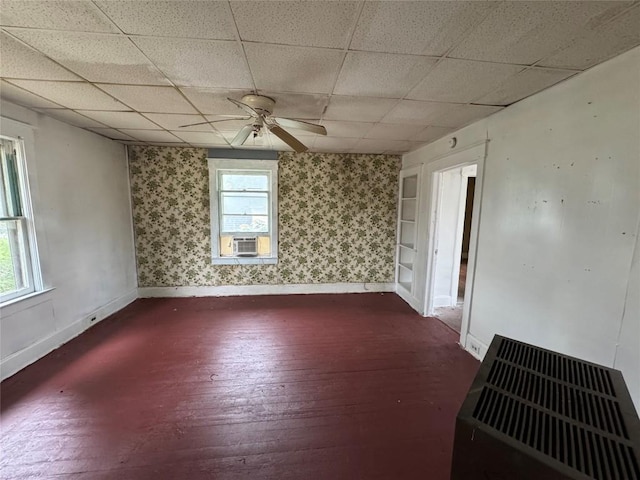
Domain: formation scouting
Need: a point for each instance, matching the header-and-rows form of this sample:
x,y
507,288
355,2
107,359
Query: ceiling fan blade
x,y
244,107
215,121
287,138
242,135
300,125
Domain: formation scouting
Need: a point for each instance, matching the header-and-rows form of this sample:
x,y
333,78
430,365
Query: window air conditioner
x,y
245,246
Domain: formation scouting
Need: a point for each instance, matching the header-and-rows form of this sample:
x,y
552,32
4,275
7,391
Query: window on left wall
x,y
19,270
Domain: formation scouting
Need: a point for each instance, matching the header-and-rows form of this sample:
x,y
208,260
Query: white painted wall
x,y
80,190
560,210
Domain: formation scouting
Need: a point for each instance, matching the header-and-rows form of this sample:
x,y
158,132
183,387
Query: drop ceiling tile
x,y
111,133
392,131
281,68
417,112
334,144
171,121
430,134
361,109
150,99
295,105
461,81
214,100
462,115
524,84
74,95
198,63
151,135
202,138
422,28
312,24
172,18
370,145
19,61
121,120
381,74
81,15
525,32
347,129
22,97
600,44
71,117
96,57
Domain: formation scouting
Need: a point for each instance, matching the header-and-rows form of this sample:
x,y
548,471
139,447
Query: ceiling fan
x,y
260,110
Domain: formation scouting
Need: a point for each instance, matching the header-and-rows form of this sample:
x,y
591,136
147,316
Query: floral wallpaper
x,y
337,219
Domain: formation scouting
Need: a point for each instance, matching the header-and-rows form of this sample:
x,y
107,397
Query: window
x,y
18,276
243,211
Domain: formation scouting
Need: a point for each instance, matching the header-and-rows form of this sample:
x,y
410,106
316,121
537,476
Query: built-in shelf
x,y
407,245
405,285
407,221
407,229
408,266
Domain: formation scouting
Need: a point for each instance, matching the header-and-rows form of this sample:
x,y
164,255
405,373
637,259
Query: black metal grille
x,y
589,452
562,407
557,366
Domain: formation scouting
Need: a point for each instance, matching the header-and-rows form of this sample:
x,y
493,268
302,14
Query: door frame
x,y
473,155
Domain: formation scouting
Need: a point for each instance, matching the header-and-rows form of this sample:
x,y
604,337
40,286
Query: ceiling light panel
x,y
79,15
600,44
280,68
421,28
461,81
210,20
74,95
364,109
523,85
525,32
22,97
313,24
381,74
150,99
122,120
19,61
198,63
96,57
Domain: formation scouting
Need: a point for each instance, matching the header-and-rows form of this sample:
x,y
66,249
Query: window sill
x,y
244,261
26,301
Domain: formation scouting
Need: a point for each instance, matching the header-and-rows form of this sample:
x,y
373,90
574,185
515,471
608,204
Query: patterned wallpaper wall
x,y
337,219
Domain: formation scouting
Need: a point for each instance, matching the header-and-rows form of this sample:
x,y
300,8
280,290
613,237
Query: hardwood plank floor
x,y
275,387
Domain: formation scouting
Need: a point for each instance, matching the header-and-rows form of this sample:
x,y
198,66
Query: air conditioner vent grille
x,y
557,366
596,455
575,403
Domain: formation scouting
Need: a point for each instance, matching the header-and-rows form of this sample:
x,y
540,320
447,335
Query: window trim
x,y
22,136
226,164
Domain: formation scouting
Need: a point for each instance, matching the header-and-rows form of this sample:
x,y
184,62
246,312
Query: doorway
x,y
454,213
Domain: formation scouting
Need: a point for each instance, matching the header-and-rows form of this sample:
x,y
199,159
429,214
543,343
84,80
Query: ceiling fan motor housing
x,y
261,104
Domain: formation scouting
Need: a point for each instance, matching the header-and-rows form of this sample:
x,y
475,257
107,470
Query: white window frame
x,y
22,136
241,165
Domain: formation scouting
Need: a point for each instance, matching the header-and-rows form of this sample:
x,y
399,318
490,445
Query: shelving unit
x,y
407,230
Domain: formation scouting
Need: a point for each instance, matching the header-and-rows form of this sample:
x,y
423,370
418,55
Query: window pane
x,y
245,182
245,203
10,205
12,257
244,223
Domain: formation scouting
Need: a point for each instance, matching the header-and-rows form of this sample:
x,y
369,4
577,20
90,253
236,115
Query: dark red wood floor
x,y
282,387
